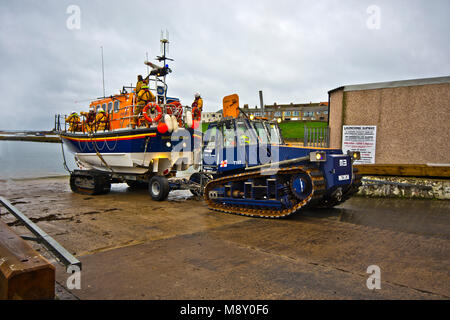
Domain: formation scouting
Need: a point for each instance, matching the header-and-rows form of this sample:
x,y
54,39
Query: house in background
x,y
317,111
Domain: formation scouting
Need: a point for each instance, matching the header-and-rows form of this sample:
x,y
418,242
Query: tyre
x,y
158,188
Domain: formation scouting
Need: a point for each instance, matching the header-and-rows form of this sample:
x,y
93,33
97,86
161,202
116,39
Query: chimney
x,y
261,100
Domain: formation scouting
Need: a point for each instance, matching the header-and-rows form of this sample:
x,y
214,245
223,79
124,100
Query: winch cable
x,y
64,158
145,150
98,153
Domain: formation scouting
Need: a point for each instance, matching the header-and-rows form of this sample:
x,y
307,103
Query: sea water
x,y
23,159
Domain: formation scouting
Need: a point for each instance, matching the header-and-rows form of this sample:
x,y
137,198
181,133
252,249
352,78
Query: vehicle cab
x,y
232,144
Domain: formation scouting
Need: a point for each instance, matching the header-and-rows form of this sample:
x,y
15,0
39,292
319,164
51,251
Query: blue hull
x,y
130,141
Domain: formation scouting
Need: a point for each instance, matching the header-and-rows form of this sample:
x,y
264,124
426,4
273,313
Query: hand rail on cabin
x,y
128,115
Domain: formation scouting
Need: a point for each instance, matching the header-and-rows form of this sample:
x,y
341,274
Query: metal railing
x,y
41,236
316,137
61,125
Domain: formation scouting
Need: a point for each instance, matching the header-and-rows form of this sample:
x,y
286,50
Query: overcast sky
x,y
295,51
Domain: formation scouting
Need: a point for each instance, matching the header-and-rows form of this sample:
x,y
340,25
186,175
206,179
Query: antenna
x,y
164,44
146,55
161,48
167,37
163,58
103,73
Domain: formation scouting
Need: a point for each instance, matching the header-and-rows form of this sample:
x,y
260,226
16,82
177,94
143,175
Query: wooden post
x,y
24,273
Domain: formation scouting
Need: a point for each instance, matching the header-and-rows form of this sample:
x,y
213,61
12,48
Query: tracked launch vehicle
x,y
255,173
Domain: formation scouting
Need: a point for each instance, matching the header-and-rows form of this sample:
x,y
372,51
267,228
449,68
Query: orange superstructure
x,y
119,109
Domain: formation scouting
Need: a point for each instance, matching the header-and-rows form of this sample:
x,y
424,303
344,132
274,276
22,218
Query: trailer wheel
x,y
196,178
158,188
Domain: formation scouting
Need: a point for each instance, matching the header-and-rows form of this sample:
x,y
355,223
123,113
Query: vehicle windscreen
x,y
275,135
228,135
210,137
262,132
244,135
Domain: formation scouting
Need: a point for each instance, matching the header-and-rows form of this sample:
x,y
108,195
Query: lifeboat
x,y
157,144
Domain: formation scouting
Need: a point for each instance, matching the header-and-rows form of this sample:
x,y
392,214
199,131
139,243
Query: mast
x,y
164,51
103,74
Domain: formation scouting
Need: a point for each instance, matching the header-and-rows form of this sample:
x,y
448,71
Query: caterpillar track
x,y
89,182
316,187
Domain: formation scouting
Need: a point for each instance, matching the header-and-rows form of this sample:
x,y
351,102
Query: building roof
x,y
287,107
393,84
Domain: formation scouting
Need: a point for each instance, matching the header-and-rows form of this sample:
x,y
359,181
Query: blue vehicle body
x,y
255,170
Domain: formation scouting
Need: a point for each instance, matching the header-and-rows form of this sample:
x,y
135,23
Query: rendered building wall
x,y
413,122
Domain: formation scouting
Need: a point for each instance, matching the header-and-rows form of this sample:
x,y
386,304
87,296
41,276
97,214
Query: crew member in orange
x,y
143,96
101,120
89,120
74,122
141,82
197,106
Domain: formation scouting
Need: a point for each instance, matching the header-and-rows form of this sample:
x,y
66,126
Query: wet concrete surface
x,y
135,248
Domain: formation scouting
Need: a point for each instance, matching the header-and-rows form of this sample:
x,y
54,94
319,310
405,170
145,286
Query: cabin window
x,y
104,106
228,135
116,106
110,105
262,133
98,107
210,137
275,136
244,135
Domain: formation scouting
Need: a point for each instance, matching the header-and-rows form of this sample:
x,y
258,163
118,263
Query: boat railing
x,y
124,120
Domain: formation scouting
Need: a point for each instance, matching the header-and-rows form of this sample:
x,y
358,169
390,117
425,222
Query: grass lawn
x,y
291,129
204,126
295,130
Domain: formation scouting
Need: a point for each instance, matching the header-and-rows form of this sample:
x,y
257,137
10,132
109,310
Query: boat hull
x,y
139,151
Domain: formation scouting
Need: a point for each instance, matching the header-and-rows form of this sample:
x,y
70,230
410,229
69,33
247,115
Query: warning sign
x,y
362,139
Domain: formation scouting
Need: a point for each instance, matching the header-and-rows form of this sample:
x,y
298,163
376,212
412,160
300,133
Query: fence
x,y
316,137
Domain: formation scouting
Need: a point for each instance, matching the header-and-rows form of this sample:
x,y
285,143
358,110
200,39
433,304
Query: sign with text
x,y
362,139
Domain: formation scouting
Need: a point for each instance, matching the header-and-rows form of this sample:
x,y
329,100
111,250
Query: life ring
x,y
196,113
175,108
146,116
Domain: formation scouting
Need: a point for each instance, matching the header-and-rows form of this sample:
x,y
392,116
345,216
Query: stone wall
x,y
405,187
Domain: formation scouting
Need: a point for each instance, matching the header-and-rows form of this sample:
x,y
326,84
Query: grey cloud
x,y
295,51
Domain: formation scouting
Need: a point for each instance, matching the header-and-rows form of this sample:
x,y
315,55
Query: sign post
x,y
362,139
